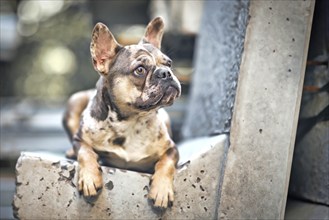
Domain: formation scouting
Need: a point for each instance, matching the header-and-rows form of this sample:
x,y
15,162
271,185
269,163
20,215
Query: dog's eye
x,y
140,71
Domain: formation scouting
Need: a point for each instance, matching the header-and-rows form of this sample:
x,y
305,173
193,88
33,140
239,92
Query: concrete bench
x,y
47,187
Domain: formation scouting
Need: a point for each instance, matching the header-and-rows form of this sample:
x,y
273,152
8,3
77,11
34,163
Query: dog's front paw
x,y
161,191
90,182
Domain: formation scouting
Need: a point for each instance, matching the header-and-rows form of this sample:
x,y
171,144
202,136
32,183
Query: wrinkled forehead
x,y
132,55
136,51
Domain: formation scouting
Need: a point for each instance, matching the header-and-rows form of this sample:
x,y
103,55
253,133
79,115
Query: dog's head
x,y
137,77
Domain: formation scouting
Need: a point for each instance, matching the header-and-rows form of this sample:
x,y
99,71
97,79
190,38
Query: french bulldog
x,y
122,122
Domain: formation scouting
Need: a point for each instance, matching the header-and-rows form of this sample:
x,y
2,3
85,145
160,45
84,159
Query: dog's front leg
x,y
90,172
162,189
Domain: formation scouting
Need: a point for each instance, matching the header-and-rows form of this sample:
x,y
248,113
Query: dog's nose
x,y
163,73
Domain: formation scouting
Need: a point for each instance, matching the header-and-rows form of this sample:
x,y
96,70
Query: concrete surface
x,y
46,188
218,55
266,110
295,209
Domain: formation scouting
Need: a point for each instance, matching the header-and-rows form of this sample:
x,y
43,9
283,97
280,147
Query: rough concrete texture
x,y
266,110
218,56
46,188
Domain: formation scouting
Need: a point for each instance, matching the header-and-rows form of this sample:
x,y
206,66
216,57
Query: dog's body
x,y
121,122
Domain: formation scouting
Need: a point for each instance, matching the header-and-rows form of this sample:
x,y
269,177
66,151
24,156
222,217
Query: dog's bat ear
x,y
154,32
103,48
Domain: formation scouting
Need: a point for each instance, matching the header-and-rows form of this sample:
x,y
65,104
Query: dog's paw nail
x,y
170,203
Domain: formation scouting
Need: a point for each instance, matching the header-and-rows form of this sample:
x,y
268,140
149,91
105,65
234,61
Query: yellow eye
x,y
140,71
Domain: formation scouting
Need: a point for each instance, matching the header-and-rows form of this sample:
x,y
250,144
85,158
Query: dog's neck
x,y
103,103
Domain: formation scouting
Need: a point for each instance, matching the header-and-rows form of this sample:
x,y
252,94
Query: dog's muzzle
x,y
170,84
165,89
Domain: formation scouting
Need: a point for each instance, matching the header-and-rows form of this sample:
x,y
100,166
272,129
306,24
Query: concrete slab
x,y
46,188
266,110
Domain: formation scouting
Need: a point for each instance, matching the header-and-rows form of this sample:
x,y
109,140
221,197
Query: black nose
x,y
163,74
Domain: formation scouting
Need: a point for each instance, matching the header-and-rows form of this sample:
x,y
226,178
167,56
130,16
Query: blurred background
x,y
45,57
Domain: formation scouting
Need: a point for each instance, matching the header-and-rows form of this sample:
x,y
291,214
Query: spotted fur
x,y
122,122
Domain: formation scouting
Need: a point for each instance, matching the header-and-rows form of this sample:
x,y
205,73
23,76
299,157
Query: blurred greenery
x,y
54,61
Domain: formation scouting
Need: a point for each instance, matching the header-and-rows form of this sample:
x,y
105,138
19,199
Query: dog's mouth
x,y
171,93
162,99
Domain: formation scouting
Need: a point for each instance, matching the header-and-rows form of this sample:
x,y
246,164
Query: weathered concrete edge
x,y
298,103
40,177
229,191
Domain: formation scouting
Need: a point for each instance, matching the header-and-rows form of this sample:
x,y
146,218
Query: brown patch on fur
x,y
173,154
75,106
72,118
